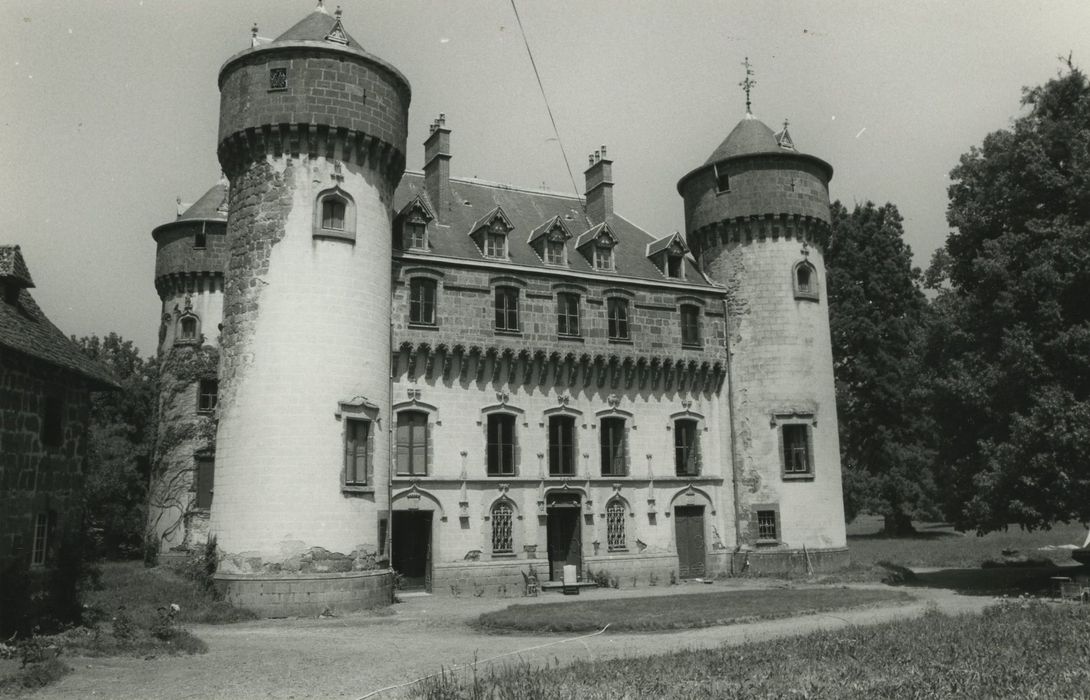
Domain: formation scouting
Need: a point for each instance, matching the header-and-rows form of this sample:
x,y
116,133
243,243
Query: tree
x,y
1011,338
122,432
878,316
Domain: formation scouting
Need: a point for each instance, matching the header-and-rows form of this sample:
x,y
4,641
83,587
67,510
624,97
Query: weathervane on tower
x,y
748,83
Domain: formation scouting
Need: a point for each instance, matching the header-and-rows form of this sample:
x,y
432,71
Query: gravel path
x,y
351,656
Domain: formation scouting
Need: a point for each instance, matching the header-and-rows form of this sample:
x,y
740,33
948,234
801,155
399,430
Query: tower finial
x,y
748,83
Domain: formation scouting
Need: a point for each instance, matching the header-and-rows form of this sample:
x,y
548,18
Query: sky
x,y
109,109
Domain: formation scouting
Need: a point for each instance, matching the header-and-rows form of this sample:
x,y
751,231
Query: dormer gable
x,y
490,233
411,226
550,241
668,255
597,244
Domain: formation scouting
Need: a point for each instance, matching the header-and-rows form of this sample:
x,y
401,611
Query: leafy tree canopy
x,y
1011,340
121,436
877,316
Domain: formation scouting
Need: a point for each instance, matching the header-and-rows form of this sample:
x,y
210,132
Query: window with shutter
x,y
357,466
412,443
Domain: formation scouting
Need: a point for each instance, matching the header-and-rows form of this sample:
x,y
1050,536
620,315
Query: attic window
x,y
674,267
722,180
603,256
495,244
554,253
416,235
278,79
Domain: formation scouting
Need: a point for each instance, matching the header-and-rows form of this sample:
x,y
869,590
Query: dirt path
x,y
351,656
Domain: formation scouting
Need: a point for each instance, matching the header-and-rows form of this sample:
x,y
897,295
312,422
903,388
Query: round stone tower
x,y
312,137
757,218
190,256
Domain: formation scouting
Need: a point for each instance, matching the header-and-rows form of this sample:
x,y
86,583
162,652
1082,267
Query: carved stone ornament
x,y
503,397
613,400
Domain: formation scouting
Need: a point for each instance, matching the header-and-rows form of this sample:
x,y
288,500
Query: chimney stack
x,y
599,187
437,168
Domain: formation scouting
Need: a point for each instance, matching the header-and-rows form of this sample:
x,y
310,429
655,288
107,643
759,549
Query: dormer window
x,y
675,266
335,215
495,244
555,253
603,255
416,235
412,231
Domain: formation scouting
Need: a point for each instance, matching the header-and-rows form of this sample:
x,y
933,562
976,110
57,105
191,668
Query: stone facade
x,y
463,380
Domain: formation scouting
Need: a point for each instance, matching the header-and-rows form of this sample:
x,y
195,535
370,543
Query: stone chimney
x,y
437,168
599,188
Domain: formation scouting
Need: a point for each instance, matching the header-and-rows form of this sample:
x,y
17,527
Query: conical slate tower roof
x,y
210,206
318,26
750,136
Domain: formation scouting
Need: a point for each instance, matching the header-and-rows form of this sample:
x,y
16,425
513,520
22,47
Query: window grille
x,y
766,526
278,78
615,536
41,536
503,540
507,309
617,317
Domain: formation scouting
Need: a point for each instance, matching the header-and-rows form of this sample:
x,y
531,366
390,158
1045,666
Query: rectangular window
x,y
614,455
278,78
722,180
495,245
52,432
501,444
690,325
416,235
567,313
796,449
207,395
674,266
412,443
617,317
357,462
41,539
767,530
200,241
686,448
507,309
554,252
333,214
561,446
603,257
202,483
422,301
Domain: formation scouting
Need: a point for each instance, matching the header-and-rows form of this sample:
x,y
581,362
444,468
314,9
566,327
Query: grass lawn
x,y
681,611
939,545
1011,651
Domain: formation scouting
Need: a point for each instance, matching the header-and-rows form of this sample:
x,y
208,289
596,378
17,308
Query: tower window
x,y
202,484
333,214
278,78
207,395
52,432
357,453
567,314
188,329
617,318
561,446
797,451
690,325
41,540
507,309
412,443
722,180
200,241
805,281
501,444
422,301
686,448
614,453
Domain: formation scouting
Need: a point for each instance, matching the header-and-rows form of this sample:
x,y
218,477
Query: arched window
x,y
335,215
686,447
805,281
615,534
503,531
188,329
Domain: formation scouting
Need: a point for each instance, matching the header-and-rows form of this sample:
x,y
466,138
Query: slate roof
x,y
13,268
527,211
315,27
749,136
211,205
25,330
665,242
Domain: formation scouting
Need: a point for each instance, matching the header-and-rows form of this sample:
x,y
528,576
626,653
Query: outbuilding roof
x,y
26,330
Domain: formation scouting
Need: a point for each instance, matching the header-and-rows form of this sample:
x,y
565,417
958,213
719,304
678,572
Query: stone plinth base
x,y
771,562
283,595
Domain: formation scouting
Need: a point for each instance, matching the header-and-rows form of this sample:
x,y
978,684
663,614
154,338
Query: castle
x,y
366,368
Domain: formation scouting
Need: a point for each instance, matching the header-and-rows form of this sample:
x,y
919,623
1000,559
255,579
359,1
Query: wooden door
x,y
564,541
689,526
